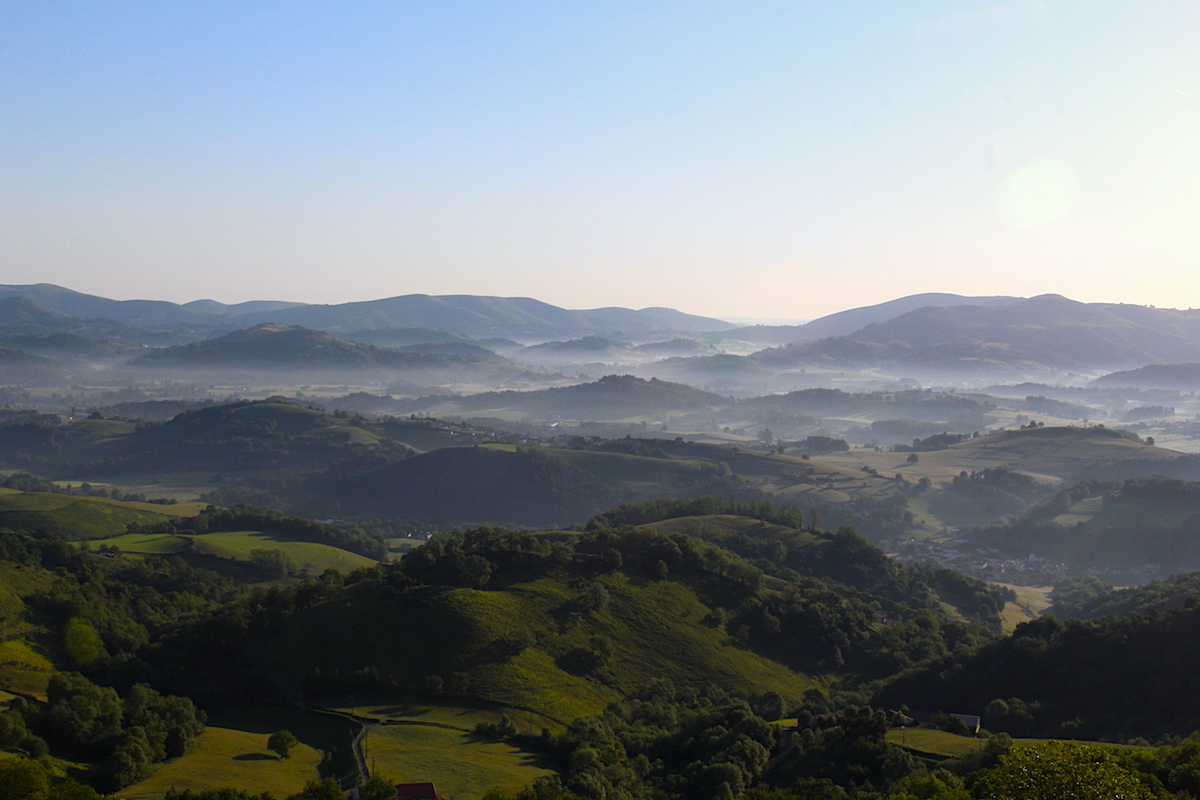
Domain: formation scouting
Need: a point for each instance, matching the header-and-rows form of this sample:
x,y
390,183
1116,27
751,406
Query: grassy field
x,y
233,752
1031,602
228,757
1045,453
237,545
76,517
460,765
949,745
460,714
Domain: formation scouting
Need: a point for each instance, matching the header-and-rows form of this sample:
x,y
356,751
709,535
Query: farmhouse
x,y
972,721
417,791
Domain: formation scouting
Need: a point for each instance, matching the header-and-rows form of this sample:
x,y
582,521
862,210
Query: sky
x,y
750,160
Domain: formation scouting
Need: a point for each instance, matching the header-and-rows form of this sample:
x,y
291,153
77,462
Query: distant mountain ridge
x,y
520,318
1045,331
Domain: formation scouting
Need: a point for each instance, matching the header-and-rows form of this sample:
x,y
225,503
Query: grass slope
x,y
78,517
460,765
1050,453
233,752
654,628
237,545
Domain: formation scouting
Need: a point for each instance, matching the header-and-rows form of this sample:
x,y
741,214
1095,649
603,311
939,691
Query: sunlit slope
x,y
232,439
559,486
1049,453
654,629
312,557
82,517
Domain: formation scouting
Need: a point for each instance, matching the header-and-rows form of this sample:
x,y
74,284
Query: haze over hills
x,y
843,323
517,318
1046,331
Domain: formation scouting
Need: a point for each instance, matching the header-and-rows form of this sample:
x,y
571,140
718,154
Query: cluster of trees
x,y
1087,596
835,600
1116,677
123,736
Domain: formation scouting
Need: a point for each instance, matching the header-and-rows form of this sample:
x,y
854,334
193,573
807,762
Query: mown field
x,y
462,766
233,752
229,757
459,713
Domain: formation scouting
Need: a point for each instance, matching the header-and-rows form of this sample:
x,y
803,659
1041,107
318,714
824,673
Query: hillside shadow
x,y
255,757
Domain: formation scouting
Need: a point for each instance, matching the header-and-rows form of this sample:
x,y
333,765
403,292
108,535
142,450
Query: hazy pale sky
x,y
775,159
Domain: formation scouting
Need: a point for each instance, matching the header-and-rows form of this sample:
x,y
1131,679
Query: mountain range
x,y
520,318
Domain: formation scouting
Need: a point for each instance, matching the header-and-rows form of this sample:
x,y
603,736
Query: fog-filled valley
x,y
487,521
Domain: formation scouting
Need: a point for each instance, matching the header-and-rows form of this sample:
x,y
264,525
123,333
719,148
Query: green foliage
x,y
1118,677
274,563
281,743
820,445
1054,770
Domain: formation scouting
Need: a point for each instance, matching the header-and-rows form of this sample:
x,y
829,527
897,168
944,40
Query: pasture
x,y
230,757
461,765
237,546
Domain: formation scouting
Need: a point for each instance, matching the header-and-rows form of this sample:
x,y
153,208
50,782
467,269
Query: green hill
x,y
281,347
1046,453
1184,377
1113,677
1134,530
611,397
652,629
81,517
238,438
474,484
538,486
564,624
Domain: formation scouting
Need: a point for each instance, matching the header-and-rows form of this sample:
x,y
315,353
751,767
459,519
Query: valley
x,y
529,553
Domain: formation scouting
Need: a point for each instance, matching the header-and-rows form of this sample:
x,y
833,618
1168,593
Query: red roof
x,y
416,791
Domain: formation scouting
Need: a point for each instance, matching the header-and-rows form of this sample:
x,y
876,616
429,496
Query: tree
x,y
1054,770
377,787
913,458
281,743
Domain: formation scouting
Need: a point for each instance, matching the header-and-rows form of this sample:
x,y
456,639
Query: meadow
x,y
461,765
236,545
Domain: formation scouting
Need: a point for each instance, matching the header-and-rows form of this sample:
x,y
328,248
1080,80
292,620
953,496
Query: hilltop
x,y
1133,530
519,318
1048,453
611,397
1184,377
281,347
242,438
595,613
1046,331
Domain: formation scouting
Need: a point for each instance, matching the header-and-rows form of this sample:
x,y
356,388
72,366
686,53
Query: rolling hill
x,y
844,323
1049,331
240,438
1183,377
283,347
1141,527
517,318
611,397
